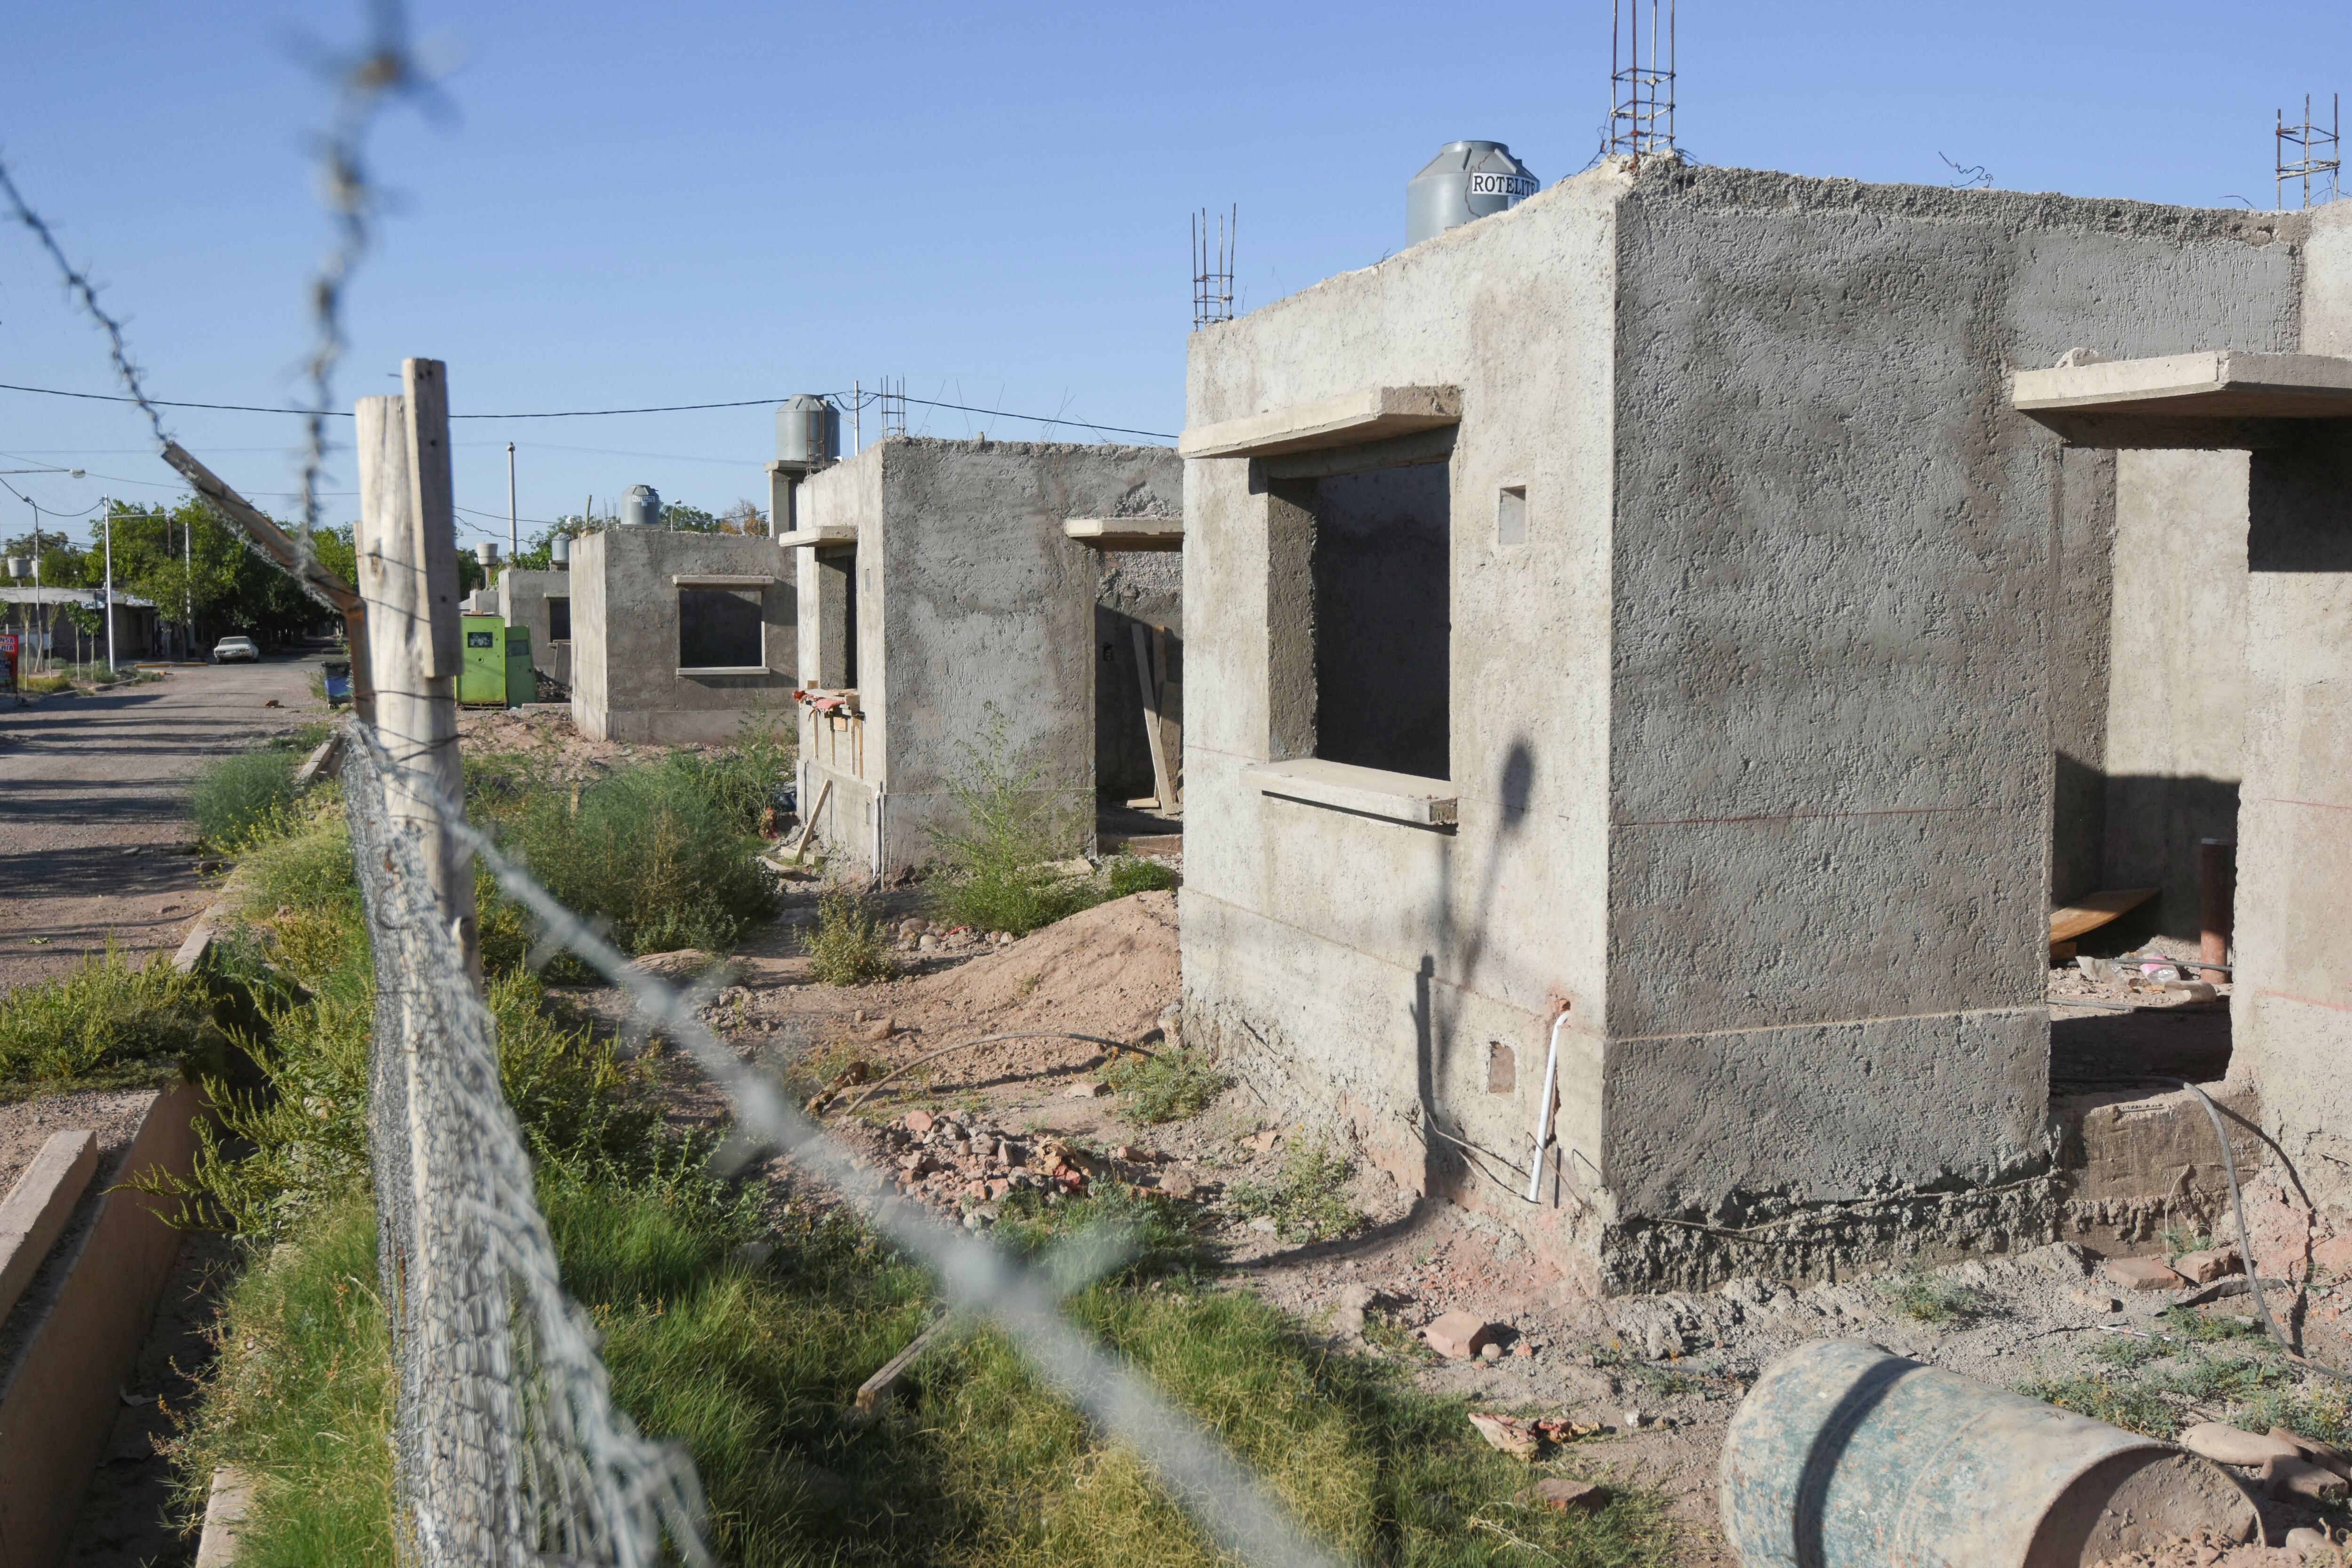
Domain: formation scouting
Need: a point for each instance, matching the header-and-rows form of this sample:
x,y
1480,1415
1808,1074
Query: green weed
x,y
107,1023
1126,874
1930,1298
996,871
849,945
1167,1087
2118,1401
1307,1199
239,799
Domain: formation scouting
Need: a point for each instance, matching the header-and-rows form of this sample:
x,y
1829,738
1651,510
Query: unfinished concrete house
x,y
1644,626
959,595
678,637
542,602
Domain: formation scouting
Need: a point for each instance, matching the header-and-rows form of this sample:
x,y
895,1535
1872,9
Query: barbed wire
x,y
85,293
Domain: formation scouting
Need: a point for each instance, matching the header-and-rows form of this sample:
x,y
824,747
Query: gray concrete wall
x,y
2176,710
2084,539
974,614
1754,735
522,601
627,685
1360,968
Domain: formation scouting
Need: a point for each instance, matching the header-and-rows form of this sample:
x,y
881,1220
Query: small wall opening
x,y
1382,574
720,629
558,619
1502,1069
836,628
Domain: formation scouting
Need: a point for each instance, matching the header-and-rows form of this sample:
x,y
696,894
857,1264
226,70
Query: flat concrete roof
x,y
1368,414
1125,532
2214,384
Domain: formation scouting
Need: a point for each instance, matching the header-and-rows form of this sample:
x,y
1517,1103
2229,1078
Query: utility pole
x,y
39,608
188,588
514,535
107,502
408,548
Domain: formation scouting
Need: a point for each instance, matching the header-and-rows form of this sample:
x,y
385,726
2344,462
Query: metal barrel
x,y
1843,1455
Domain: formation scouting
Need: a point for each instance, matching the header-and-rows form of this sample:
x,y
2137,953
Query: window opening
x,y
719,629
559,619
1511,515
1382,572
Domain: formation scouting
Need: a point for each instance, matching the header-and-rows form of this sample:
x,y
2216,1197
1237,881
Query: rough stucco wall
x,y
2083,605
1361,967
2291,1016
848,494
2175,715
591,648
970,599
624,624
1831,740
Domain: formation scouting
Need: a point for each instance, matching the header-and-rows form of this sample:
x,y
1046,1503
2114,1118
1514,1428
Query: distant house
x,y
43,617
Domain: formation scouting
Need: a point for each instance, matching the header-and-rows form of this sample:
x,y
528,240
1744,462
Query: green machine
x,y
496,672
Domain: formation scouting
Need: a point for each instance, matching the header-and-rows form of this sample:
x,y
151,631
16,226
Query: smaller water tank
x,y
641,506
808,431
1466,180
18,566
487,552
559,551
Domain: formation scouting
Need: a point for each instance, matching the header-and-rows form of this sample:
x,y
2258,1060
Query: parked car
x,y
230,649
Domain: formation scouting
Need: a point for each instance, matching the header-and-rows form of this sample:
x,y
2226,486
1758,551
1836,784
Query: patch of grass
x,y
1167,1087
746,779
1307,1199
1127,874
107,1023
653,850
239,800
1930,1298
301,1399
849,945
44,685
306,866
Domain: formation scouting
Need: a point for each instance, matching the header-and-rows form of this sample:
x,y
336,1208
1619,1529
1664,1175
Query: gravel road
x,y
93,822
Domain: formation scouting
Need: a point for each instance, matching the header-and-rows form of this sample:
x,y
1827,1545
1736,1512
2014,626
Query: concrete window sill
x,y
726,669
720,580
1367,792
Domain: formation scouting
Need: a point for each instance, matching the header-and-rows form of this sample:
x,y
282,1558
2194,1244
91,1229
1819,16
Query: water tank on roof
x,y
641,506
559,551
1466,180
808,431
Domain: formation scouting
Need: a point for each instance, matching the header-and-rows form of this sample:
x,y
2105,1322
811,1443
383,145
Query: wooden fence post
x,y
407,550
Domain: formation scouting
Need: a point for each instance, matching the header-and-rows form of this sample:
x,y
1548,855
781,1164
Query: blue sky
x,y
627,204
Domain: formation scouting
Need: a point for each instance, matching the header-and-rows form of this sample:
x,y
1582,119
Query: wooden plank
x,y
877,1388
431,511
2096,910
808,824
1159,782
1170,725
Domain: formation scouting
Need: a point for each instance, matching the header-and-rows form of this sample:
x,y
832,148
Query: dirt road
x,y
93,811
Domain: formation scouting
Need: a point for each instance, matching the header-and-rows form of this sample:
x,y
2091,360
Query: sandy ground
x,y
94,840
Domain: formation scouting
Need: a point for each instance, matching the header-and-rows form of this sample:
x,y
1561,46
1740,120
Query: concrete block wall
x,y
626,683
1754,736
974,614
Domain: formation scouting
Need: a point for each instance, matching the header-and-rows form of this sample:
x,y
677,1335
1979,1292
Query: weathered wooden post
x,y
408,548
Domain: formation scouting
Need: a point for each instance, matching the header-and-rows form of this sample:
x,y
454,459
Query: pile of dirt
x,y
1109,972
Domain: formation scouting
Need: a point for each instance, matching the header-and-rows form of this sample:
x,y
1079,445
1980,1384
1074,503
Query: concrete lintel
x,y
2216,384
819,535
720,580
1369,792
1369,414
1125,532
724,670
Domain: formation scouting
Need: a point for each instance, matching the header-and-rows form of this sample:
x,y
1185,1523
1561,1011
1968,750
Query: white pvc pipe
x,y
1543,1111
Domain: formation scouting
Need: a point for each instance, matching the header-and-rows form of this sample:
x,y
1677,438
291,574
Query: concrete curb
x,y
225,1511
60,1399
37,1207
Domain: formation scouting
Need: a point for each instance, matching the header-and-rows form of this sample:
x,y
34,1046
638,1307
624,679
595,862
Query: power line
x,y
597,413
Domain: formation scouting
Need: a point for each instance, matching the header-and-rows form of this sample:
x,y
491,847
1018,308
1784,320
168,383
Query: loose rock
x,y
1506,1433
2206,1267
2306,1543
2143,1274
2226,1444
1458,1334
1560,1494
2299,1478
